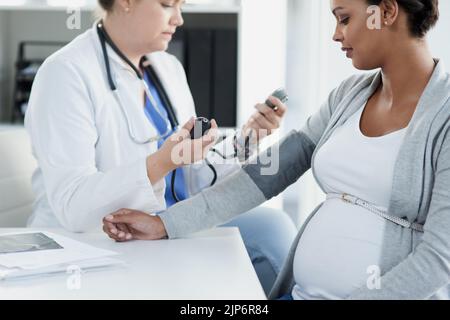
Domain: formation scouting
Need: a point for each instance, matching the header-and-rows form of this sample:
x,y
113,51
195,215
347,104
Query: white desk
x,y
210,265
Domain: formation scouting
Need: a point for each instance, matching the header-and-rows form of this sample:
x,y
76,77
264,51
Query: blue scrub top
x,y
160,123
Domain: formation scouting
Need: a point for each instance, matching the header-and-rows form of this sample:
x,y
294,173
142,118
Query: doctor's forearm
x,y
158,166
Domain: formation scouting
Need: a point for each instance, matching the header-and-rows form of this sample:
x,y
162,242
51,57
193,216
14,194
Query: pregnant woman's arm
x,y
255,183
271,173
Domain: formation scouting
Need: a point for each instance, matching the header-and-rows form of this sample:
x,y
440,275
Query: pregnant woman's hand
x,y
126,224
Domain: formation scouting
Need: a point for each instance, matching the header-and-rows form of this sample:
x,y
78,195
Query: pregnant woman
x,y
379,148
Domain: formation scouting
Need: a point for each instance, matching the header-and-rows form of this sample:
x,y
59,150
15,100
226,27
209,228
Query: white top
x,y
342,243
210,265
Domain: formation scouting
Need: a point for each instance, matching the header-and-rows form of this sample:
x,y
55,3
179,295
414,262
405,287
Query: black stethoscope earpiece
x,y
104,38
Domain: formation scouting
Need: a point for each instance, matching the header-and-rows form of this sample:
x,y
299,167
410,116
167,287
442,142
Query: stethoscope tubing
x,y
104,38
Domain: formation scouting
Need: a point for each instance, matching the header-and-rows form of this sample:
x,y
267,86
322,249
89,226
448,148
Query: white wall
x,y
262,59
439,37
262,54
316,65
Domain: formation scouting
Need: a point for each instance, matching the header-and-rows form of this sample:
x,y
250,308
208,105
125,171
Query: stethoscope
x,y
171,122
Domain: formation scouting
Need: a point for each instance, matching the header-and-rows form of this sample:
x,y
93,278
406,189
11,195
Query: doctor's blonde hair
x,y
106,6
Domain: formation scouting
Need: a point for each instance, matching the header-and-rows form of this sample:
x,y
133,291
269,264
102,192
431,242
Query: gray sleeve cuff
x,y
262,178
213,206
282,164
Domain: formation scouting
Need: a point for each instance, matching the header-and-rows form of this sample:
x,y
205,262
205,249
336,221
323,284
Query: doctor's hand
x,y
126,224
179,150
265,120
182,150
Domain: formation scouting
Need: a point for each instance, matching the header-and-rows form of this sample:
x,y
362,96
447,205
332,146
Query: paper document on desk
x,y
74,266
26,242
47,250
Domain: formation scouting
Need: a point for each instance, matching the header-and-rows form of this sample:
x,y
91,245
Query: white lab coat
x,y
88,164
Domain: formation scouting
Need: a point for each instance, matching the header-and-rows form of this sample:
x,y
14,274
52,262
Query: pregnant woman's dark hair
x,y
422,14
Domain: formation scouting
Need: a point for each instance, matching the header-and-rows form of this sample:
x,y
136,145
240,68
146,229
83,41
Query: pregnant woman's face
x,y
362,32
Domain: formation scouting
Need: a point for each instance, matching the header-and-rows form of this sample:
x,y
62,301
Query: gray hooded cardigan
x,y
414,265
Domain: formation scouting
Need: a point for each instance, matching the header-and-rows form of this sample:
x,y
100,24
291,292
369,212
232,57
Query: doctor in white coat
x,y
99,117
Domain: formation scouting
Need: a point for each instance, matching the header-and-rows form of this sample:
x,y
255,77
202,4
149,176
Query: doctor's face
x,y
362,43
153,23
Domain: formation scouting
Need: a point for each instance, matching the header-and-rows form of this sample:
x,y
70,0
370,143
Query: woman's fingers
x,y
280,106
127,224
117,231
212,134
262,123
214,124
124,232
269,114
189,125
187,150
266,119
185,131
110,226
182,134
107,229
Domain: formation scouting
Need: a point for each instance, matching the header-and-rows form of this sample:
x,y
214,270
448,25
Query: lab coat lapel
x,y
130,94
117,61
176,94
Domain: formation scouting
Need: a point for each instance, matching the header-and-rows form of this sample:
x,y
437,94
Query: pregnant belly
x,y
337,252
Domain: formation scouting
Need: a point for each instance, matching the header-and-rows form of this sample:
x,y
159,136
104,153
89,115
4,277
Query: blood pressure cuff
x,y
262,178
